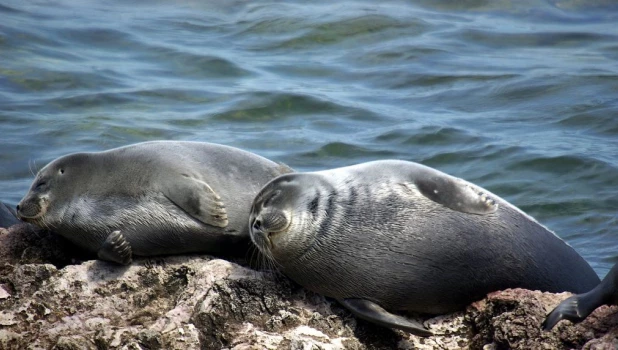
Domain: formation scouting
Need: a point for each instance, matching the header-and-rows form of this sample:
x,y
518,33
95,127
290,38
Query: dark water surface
x,y
520,97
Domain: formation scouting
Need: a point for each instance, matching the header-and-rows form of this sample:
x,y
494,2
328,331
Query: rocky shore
x,y
53,298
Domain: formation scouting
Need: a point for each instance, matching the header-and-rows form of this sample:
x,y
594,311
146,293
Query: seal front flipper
x,y
374,313
116,249
455,194
197,199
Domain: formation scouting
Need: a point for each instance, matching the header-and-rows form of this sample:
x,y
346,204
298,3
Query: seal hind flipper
x,y
578,307
197,199
372,312
116,249
456,194
568,309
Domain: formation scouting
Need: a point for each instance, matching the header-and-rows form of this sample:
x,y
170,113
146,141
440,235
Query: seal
x,y
8,216
578,307
399,236
152,198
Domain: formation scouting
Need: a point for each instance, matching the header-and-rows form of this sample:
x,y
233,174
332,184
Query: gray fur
x,y
164,197
578,307
408,237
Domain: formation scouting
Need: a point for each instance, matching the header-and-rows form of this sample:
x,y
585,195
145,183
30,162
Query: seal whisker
x,y
32,163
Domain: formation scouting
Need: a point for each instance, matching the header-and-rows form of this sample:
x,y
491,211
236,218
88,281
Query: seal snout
x,y
258,235
31,208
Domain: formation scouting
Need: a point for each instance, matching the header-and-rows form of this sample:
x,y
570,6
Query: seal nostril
x,y
257,224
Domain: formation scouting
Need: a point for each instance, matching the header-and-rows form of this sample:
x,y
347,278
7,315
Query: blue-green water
x,y
520,97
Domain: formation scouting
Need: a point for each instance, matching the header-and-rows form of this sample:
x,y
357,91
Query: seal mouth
x,y
32,212
262,240
259,236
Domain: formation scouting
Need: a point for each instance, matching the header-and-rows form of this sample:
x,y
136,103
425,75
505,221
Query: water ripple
x,y
519,97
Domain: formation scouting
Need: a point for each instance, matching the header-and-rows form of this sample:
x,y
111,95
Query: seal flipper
x,y
197,199
455,194
578,307
569,309
116,249
374,313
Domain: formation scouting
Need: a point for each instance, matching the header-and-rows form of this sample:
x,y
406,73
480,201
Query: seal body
x,y
398,235
7,215
151,198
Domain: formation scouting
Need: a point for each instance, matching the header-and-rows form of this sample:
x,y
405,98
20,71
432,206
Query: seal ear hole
x,y
61,171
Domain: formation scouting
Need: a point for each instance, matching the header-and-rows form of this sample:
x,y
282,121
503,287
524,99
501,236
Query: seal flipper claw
x,y
372,312
116,249
197,199
568,309
456,194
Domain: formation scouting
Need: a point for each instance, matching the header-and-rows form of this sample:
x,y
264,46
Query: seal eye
x,y
40,185
270,199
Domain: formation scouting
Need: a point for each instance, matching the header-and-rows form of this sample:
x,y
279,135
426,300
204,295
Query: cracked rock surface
x,y
50,298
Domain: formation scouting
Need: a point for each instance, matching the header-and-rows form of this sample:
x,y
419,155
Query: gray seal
x,y
578,307
152,198
8,216
399,236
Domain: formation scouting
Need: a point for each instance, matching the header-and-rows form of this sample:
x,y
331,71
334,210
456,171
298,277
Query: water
x,y
520,97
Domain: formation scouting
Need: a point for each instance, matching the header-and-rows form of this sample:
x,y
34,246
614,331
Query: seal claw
x,y
116,249
198,199
456,194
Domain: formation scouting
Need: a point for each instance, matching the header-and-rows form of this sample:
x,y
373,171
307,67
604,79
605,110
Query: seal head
x,y
64,173
277,217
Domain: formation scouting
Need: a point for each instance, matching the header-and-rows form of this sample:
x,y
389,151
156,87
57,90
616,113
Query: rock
x,y
49,300
24,243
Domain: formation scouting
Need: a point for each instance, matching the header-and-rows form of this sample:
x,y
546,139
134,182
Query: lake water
x,y
520,97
